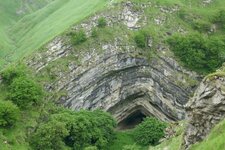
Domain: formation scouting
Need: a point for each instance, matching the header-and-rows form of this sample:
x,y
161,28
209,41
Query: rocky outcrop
x,y
205,109
55,49
116,76
123,83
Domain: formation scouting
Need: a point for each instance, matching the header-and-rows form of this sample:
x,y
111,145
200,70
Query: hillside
x,y
27,25
12,11
118,75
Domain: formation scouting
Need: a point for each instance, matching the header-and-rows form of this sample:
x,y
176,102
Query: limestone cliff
x,y
116,76
205,109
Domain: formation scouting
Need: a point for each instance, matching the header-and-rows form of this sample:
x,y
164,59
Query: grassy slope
x,y
124,138
7,10
9,17
215,140
173,143
21,36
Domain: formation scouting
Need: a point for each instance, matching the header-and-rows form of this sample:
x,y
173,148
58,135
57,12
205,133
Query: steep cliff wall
x,y
115,75
206,108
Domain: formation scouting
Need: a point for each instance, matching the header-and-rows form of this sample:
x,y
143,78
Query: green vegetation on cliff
x,y
199,53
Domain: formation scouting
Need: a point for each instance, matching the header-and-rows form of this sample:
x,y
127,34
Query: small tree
x,y
9,113
102,22
150,131
79,37
25,92
86,129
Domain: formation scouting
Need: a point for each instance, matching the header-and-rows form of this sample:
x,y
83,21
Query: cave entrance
x,y
132,120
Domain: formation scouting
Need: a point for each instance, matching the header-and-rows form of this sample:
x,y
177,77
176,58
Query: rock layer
x,y
205,109
125,82
121,84
118,78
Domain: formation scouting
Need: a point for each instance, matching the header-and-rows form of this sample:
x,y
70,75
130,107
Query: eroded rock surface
x,y
205,109
124,82
117,77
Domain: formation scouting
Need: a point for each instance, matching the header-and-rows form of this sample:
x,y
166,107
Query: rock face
x,y
122,84
205,109
125,84
118,78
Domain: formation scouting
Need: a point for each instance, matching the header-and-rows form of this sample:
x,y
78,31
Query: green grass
x,y
124,138
9,11
16,137
215,140
20,36
173,143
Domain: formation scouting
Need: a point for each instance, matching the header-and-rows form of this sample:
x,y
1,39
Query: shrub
x,y
78,37
150,131
85,129
94,33
13,72
49,136
201,25
197,52
219,18
140,39
25,92
91,129
102,22
198,23
9,113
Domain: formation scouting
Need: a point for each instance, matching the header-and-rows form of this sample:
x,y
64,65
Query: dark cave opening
x,y
132,120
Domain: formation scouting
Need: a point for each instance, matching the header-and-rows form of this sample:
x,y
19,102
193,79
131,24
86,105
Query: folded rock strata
x,y
119,79
205,109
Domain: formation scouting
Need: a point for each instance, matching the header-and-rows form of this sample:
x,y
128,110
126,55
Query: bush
x,y
94,33
102,22
197,23
78,37
85,129
197,52
50,136
219,18
140,39
150,131
13,72
201,25
25,92
9,113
